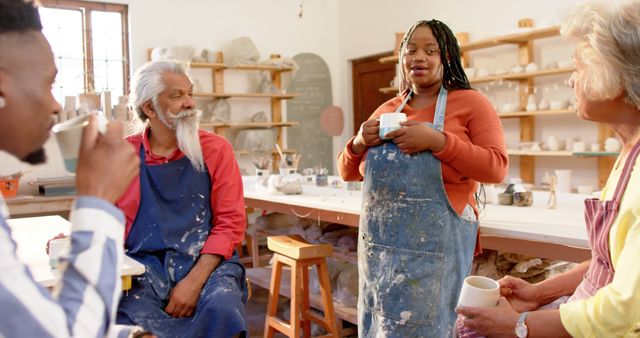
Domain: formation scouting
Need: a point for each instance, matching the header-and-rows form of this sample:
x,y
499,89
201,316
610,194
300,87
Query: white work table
x,y
31,235
537,230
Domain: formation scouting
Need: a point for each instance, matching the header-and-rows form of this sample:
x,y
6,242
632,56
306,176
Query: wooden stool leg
x,y
252,247
327,300
296,276
305,306
274,293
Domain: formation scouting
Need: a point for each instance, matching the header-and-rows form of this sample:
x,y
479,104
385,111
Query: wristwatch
x,y
521,327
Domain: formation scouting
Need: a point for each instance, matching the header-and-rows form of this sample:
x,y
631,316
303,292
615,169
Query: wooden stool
x,y
299,255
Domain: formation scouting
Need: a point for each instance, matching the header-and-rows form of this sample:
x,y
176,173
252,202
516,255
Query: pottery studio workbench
x,y
537,230
31,235
552,233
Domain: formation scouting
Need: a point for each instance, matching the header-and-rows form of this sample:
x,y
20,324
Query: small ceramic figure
x,y
544,104
531,103
553,185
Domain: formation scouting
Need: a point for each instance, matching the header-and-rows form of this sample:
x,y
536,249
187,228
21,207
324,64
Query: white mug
x,y
479,291
390,122
564,180
56,248
69,137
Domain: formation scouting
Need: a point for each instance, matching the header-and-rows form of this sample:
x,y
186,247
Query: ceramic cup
x,y
579,147
56,248
479,291
288,171
564,180
69,137
390,122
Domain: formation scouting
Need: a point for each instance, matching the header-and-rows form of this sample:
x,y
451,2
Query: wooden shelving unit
x,y
523,76
247,95
276,100
525,49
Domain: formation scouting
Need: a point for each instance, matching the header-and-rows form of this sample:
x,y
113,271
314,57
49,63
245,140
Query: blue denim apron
x,y
414,250
172,224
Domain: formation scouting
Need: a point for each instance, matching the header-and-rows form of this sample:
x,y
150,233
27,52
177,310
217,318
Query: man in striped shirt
x,y
85,300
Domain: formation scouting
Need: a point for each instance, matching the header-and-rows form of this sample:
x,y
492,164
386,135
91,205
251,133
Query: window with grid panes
x,y
90,46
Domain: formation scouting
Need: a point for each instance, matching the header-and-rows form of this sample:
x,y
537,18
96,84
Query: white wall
x,y
337,30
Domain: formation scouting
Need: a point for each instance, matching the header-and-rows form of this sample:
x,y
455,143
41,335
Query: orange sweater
x,y
474,151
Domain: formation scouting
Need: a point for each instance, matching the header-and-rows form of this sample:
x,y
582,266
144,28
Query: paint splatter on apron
x,y
414,250
172,224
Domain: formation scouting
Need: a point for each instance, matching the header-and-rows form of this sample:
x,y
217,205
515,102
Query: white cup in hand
x,y
56,248
390,122
479,291
69,137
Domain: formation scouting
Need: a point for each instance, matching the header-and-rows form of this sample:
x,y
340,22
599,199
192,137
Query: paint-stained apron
x,y
172,224
599,217
414,250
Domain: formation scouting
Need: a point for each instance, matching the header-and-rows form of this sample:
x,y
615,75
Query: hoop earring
x,y
3,102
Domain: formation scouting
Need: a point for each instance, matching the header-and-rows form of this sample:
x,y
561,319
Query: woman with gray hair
x,y
605,291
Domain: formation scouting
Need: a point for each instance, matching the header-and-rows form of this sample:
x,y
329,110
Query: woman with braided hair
x,y
418,226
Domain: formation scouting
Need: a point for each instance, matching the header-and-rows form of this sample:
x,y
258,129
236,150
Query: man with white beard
x,y
185,215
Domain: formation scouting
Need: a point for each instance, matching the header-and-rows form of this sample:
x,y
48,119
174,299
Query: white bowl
x,y
557,105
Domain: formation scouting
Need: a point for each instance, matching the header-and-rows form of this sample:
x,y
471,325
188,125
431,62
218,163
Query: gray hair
x,y
608,41
147,83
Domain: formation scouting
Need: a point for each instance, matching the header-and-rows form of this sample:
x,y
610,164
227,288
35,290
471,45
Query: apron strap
x,y
626,174
404,102
441,106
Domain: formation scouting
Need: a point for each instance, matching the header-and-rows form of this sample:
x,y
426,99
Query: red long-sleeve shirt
x,y
227,198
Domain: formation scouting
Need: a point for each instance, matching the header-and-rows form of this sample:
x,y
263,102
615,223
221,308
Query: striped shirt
x,y
85,298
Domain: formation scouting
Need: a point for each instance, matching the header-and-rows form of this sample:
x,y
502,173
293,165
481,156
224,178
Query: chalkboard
x,y
313,83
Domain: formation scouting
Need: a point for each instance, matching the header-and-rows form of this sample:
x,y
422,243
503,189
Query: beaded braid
x,y
453,76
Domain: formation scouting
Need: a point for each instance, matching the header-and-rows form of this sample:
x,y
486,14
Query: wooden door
x,y
369,75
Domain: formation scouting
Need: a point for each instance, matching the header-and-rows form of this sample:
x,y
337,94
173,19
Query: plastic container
x,y
9,187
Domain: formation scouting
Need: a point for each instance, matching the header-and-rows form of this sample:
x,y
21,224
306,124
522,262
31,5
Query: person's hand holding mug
x,y
106,162
367,136
522,295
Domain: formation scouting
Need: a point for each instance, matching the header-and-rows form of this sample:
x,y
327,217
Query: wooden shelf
x,y
262,278
273,152
257,67
248,95
388,90
249,125
498,41
387,59
533,34
516,152
537,113
523,76
596,154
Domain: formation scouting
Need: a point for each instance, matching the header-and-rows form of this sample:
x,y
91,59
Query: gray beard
x,y
186,124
